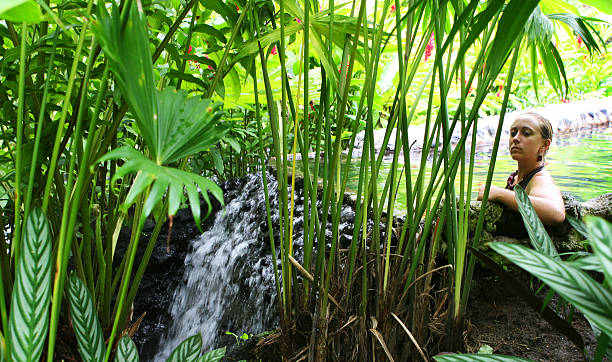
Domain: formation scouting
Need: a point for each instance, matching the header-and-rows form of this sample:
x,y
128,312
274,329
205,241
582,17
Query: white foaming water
x,y
229,277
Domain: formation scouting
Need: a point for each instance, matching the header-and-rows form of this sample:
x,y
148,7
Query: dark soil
x,y
499,318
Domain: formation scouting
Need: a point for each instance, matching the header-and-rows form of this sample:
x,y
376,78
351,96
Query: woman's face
x,y
526,141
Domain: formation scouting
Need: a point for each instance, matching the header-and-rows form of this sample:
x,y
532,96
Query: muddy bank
x,y
502,320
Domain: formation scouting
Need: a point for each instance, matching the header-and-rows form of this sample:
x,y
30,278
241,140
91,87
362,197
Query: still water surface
x,y
580,164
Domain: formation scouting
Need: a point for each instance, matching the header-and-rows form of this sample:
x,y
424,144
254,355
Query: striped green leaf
x,y
470,357
85,321
162,178
188,350
213,356
572,284
600,237
537,233
126,351
29,316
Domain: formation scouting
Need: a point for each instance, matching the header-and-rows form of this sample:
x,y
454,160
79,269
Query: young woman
x,y
530,138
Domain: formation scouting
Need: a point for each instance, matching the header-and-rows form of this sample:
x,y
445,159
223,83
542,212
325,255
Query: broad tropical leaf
x,y
468,357
29,316
173,125
579,26
162,178
539,28
213,356
572,284
85,321
185,125
126,351
600,237
587,261
188,350
537,233
20,11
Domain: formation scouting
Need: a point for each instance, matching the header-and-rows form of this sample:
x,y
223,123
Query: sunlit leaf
x,y
20,11
601,5
85,321
29,314
578,25
188,350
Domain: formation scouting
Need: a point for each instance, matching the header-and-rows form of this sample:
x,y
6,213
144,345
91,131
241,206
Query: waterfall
x,y
228,280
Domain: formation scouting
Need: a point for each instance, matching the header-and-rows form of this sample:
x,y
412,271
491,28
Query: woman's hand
x,y
493,192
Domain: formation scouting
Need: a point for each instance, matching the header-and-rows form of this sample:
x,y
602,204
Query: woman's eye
x,y
513,133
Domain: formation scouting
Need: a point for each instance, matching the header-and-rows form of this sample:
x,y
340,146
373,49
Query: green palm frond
x,y
126,45
126,351
539,28
29,316
185,125
581,27
572,284
85,321
173,125
162,178
188,350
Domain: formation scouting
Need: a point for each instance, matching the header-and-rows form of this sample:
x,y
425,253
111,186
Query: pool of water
x,y
580,164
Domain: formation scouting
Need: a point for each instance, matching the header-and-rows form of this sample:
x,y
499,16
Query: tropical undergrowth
x,y
115,112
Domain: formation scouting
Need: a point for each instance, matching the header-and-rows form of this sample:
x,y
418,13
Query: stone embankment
x,y
566,119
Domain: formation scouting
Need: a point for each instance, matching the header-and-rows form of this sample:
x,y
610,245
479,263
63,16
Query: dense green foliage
x,y
115,112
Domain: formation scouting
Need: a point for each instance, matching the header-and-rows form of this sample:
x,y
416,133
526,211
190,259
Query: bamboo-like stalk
x,y
67,225
15,245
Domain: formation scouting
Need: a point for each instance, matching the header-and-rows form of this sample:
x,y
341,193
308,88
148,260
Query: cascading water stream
x,y
229,279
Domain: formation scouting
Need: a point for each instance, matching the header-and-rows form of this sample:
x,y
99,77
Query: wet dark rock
x,y
166,270
600,206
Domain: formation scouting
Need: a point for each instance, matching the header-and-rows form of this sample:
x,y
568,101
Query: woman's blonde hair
x,y
546,129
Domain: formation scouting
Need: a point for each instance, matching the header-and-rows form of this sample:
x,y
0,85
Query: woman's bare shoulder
x,y
542,184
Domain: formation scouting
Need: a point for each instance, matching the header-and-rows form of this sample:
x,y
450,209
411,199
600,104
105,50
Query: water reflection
x,y
580,163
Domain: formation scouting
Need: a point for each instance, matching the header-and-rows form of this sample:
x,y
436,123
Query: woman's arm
x,y
547,202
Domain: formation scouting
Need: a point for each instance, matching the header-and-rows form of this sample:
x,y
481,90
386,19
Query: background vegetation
x,y
116,112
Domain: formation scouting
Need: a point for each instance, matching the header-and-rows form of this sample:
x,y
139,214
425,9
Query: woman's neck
x,y
526,167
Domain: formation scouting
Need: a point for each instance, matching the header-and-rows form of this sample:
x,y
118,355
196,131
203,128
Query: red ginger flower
x,y
429,47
